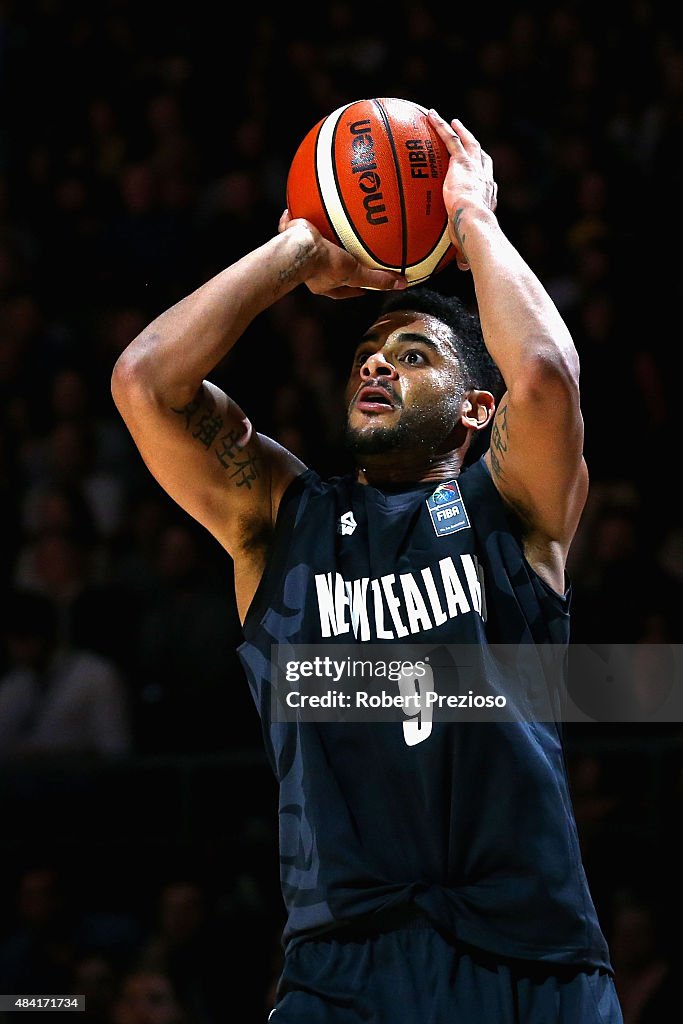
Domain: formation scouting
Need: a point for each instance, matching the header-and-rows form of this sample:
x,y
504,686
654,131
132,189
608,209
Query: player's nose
x,y
377,366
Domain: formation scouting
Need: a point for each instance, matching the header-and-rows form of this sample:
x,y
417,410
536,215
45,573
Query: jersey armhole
x,y
285,522
563,600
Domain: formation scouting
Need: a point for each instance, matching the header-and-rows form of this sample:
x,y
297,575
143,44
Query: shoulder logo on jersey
x,y
347,524
447,509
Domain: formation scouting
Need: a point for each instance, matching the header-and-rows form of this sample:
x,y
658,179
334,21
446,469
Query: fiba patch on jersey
x,y
447,509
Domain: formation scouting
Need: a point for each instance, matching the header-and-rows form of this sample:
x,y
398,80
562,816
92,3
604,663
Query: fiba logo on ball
x,y
369,176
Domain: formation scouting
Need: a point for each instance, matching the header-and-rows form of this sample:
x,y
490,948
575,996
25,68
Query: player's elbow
x,y
126,378
550,377
133,383
149,372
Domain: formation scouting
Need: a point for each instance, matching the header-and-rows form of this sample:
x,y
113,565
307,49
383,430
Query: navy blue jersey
x,y
474,826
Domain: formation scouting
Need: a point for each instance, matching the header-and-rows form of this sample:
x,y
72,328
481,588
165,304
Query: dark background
x,y
143,150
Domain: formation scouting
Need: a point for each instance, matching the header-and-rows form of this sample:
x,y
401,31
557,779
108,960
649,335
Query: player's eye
x,y
360,358
413,357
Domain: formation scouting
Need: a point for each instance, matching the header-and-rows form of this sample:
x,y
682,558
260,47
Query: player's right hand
x,y
331,270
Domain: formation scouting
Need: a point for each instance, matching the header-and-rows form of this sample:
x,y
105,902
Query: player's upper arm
x,y
205,454
536,453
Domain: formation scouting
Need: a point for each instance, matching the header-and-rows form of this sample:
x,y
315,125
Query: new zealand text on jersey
x,y
393,606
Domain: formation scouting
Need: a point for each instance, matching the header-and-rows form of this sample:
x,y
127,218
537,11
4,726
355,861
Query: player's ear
x,y
478,408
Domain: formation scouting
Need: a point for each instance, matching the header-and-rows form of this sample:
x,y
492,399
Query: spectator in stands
x,y
95,978
148,997
188,695
643,970
187,946
56,698
49,936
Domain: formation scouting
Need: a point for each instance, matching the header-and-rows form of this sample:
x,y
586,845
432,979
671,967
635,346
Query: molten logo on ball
x,y
363,163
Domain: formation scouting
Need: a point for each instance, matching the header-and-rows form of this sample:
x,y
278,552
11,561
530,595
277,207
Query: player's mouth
x,y
373,398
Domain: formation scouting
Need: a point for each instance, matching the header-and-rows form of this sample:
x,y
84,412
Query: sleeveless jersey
x,y
474,826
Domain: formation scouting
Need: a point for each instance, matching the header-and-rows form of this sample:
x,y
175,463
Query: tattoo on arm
x,y
302,254
228,446
188,411
230,454
460,235
499,440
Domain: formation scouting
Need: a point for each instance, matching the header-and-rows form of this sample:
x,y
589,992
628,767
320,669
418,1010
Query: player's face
x,y
405,388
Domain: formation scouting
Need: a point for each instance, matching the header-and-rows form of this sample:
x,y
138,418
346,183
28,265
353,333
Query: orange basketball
x,y
369,176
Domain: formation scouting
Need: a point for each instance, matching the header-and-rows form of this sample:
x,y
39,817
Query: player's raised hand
x,y
334,272
469,181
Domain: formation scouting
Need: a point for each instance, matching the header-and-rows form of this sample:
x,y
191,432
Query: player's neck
x,y
381,470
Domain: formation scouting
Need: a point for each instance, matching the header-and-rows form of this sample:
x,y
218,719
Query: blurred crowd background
x,y
141,151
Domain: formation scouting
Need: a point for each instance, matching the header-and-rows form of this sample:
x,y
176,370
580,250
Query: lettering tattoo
x,y
189,410
499,440
208,427
459,234
301,256
227,448
205,426
246,470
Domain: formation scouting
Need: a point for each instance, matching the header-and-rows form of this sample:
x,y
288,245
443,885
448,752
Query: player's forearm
x,y
176,351
522,327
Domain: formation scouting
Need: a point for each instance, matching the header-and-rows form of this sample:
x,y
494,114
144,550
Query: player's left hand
x,y
469,180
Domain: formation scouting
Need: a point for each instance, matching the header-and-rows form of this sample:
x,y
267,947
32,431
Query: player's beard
x,y
417,430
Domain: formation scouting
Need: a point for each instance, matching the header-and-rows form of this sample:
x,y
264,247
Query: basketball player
x,y
428,881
